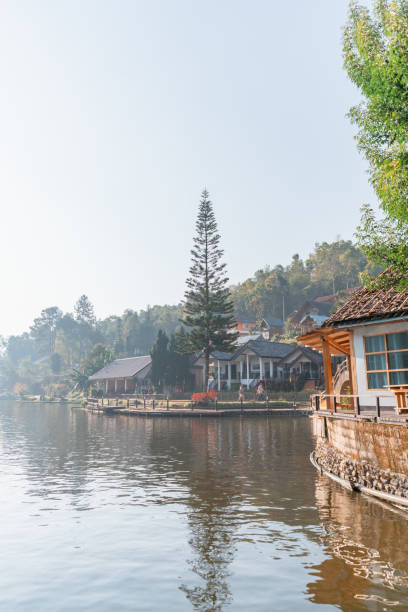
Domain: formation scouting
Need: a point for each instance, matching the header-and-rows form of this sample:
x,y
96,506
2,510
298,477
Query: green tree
x,y
208,306
376,60
160,360
97,358
335,266
178,371
44,329
84,311
56,363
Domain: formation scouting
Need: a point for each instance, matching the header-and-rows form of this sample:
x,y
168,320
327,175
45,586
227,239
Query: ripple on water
x,y
184,514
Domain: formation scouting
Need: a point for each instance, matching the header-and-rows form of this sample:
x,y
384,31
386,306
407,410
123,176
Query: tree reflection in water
x,y
211,522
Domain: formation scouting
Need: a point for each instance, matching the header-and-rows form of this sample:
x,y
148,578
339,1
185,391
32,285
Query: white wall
x,y
360,332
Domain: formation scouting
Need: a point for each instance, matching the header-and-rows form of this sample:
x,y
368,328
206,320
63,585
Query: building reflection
x,y
365,542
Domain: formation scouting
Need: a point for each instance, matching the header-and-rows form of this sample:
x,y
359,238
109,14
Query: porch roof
x,y
337,339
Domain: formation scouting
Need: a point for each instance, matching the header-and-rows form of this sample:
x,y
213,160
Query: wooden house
x,y
369,334
123,375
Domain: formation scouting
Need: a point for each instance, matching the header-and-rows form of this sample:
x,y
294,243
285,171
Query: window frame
x,y
385,352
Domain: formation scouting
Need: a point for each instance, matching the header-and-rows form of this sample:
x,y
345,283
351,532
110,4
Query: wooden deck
x,y
169,408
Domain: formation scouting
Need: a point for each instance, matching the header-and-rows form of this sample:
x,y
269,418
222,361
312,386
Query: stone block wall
x,y
380,445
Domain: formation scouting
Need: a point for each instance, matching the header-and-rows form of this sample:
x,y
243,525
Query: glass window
x,y
376,362
399,378
387,361
377,381
374,344
398,341
397,361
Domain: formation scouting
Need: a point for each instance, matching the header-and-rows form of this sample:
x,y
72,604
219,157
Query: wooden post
x,y
128,403
351,361
334,404
167,403
153,403
328,380
144,402
242,407
216,403
377,404
317,403
358,407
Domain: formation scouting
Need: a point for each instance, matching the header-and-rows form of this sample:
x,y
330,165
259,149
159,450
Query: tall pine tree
x,y
160,359
208,306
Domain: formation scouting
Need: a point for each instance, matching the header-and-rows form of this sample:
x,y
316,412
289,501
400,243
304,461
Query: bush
x,y
203,399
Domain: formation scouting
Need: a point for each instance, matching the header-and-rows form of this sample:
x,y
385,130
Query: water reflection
x,y
367,542
187,514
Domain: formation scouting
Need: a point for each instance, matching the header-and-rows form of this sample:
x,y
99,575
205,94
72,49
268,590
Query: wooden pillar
x,y
125,385
247,364
241,369
271,369
229,375
260,368
219,375
106,386
351,362
328,380
116,385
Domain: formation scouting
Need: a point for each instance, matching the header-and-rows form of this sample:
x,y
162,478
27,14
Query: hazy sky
x,y
114,116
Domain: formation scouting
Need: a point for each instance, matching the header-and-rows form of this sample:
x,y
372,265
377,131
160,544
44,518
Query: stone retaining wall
x,y
382,445
360,472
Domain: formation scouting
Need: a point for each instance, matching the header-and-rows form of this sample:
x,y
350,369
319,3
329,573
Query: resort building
x,y
257,360
368,335
123,375
268,326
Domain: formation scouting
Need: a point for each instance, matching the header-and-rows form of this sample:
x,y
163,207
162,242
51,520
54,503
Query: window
x,y
386,359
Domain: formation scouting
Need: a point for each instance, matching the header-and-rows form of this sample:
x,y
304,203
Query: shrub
x,y
203,398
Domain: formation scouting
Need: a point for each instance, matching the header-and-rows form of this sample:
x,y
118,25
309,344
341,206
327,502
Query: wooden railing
x,y
349,403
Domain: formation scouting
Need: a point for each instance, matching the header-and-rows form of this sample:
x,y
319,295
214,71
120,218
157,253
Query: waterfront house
x,y
369,335
123,375
258,359
306,363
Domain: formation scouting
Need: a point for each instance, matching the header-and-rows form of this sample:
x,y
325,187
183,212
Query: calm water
x,y
123,513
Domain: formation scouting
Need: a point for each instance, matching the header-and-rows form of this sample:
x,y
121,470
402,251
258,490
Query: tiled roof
x,y
122,368
371,304
263,348
222,356
311,354
318,319
273,321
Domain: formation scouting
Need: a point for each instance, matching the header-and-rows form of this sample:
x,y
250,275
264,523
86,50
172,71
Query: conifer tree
x,y
208,306
160,359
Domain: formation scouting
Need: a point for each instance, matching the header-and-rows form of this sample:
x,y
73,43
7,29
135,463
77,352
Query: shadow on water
x,y
242,515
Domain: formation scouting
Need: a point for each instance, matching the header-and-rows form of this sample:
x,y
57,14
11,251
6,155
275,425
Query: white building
x,y
370,331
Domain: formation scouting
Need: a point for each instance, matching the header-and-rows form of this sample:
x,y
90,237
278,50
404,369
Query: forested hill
x,y
57,342
276,292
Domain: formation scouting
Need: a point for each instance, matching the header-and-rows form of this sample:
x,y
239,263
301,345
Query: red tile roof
x,y
371,304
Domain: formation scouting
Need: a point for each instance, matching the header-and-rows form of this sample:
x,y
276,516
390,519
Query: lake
x,y
178,514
